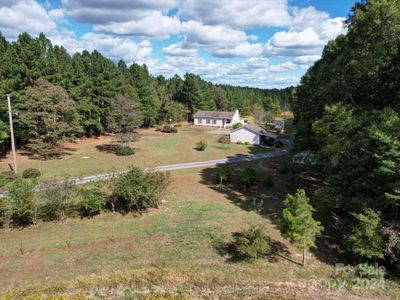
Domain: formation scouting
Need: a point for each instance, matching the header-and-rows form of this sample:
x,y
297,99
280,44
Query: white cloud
x,y
237,13
309,31
104,12
24,16
306,59
154,25
112,47
178,50
254,71
56,14
286,66
244,49
220,40
204,35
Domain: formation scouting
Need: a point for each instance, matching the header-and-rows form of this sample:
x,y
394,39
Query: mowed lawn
x,y
173,245
90,156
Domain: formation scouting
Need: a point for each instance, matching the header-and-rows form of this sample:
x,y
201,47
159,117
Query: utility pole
x,y
12,134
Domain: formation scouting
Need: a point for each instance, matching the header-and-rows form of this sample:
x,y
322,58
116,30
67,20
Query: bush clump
x,y
201,145
92,201
252,243
237,125
169,129
59,201
125,151
239,142
6,177
224,139
139,190
31,173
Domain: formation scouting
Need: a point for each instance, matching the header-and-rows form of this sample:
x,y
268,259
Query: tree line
x,y
346,110
57,96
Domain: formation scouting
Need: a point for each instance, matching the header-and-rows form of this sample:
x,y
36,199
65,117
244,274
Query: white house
x,y
217,118
253,134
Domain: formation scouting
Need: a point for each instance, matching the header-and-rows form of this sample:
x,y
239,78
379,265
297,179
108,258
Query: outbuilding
x,y
254,135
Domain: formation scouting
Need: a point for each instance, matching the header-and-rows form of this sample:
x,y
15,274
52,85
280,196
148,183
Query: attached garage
x,y
253,134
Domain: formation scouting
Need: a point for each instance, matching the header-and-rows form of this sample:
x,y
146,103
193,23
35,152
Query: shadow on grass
x,y
108,148
278,250
267,200
60,154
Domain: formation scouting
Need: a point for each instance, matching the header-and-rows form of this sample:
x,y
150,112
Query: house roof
x,y
214,114
258,130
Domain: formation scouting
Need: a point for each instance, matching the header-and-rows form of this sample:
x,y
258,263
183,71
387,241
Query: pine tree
x,y
365,238
297,223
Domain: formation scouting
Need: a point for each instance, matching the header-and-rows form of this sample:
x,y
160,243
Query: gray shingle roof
x,y
259,130
214,114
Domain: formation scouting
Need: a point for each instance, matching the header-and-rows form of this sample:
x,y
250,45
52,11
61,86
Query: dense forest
x,y
57,96
347,115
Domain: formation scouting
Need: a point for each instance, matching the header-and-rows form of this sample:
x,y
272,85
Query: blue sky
x,y
261,43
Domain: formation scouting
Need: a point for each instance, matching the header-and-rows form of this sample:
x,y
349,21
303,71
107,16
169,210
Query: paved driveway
x,y
180,166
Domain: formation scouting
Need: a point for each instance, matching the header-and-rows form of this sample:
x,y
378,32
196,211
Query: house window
x,y
228,121
214,121
208,121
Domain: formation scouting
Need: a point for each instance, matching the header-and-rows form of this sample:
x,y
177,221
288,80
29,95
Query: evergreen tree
x,y
365,238
297,223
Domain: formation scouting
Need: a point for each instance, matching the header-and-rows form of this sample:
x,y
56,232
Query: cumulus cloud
x,y
220,40
178,50
153,25
103,12
255,71
309,31
24,16
237,13
306,59
286,66
244,49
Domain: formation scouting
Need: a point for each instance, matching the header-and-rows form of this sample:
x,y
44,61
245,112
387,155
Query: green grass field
x,y
88,157
170,246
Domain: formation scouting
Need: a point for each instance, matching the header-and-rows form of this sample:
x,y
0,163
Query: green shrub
x,y
224,139
251,243
237,125
268,181
22,196
239,142
6,212
59,201
248,177
247,143
125,151
92,201
6,177
138,190
201,145
169,129
31,173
